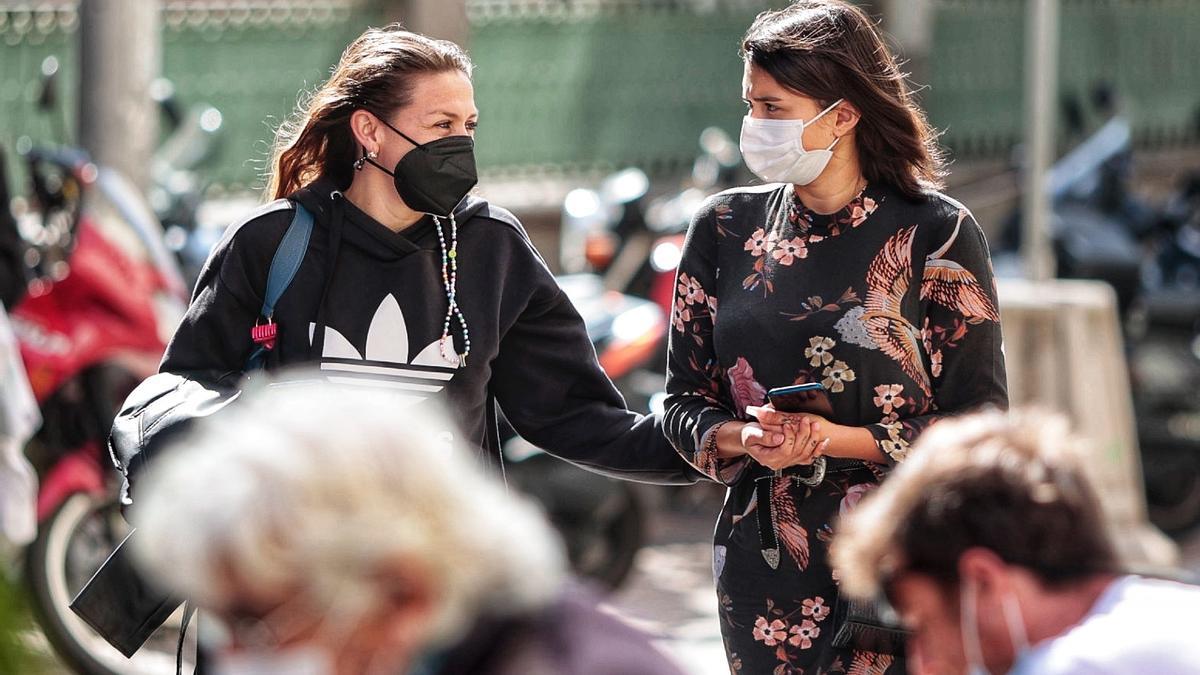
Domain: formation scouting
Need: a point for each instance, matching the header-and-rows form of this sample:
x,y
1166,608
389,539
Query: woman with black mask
x,y
408,282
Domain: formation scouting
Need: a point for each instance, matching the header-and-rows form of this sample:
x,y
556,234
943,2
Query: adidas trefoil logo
x,y
385,361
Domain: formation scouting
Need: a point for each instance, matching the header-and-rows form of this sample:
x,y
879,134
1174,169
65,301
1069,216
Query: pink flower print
x,y
858,215
935,363
769,634
684,312
816,608
681,315
887,396
790,249
803,635
746,391
712,307
691,289
760,243
853,495
868,205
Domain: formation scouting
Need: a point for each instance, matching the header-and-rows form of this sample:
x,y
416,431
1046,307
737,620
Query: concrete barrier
x,y
1064,350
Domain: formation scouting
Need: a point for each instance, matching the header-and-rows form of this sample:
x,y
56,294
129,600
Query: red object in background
x,y
79,471
101,313
662,290
103,310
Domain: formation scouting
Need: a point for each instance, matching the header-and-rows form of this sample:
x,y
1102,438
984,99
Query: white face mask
x,y
969,626
774,149
301,660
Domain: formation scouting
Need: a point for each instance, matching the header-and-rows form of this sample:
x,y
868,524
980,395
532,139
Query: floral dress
x,y
891,305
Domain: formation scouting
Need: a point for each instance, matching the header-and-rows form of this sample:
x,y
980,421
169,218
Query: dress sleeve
x,y
552,389
960,336
697,399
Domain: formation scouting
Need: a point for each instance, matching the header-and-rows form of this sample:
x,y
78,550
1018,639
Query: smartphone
x,y
802,398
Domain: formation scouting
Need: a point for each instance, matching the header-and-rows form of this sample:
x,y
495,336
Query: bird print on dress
x,y
944,281
952,286
887,284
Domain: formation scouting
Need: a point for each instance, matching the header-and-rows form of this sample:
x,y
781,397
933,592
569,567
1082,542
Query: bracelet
x,y
710,443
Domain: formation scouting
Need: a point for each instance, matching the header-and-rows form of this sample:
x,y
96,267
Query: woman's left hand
x,y
791,426
836,440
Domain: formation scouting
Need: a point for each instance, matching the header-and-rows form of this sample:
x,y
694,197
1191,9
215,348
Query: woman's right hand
x,y
801,444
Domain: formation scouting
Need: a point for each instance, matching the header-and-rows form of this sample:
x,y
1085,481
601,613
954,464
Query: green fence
x,y
602,85
588,85
1147,51
250,60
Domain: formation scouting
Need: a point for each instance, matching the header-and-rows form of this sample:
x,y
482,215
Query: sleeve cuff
x,y
727,471
890,439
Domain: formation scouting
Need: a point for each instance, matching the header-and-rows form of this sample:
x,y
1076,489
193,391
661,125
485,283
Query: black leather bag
x,y
118,602
870,626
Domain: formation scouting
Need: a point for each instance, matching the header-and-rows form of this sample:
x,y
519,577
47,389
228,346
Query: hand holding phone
x,y
802,398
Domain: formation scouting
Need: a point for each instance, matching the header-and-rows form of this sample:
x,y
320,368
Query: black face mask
x,y
433,178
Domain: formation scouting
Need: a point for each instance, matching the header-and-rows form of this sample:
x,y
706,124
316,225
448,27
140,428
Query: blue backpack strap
x,y
284,265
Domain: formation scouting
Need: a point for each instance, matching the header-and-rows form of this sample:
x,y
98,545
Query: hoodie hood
x,y
357,228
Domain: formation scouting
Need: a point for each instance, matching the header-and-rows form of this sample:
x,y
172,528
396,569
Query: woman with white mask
x,y
845,268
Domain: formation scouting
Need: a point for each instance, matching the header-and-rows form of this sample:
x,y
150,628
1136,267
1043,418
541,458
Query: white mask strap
x,y
968,617
1016,624
822,113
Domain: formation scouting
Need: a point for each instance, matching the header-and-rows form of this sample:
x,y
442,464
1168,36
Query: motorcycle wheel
x,y
1173,489
600,520
71,545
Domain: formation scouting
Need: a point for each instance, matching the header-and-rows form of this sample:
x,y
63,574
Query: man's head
x,y
991,515
332,524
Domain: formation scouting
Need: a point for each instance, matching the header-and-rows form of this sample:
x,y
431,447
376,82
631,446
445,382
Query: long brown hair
x,y
374,74
830,50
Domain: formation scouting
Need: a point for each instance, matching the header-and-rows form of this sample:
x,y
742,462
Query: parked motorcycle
x,y
103,294
192,141
1150,255
620,251
601,520
636,243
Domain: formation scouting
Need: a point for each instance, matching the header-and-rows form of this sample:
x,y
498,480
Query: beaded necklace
x,y
450,282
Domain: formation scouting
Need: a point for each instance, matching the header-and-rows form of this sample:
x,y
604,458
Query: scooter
x,y
601,520
1151,257
103,294
193,140
635,243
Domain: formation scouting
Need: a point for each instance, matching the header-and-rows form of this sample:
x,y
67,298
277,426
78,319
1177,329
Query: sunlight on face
x,y
443,104
766,98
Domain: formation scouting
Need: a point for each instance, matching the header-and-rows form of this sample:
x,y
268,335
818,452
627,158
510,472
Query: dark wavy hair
x,y
830,50
375,74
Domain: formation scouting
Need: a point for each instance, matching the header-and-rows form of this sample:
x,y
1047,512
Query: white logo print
x,y
385,362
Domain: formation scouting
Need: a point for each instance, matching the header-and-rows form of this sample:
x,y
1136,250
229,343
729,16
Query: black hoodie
x,y
376,317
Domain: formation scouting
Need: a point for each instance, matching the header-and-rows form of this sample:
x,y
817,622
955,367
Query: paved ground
x,y
671,594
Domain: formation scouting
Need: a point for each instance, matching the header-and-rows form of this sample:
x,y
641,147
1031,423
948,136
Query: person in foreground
x,y
992,546
846,269
378,547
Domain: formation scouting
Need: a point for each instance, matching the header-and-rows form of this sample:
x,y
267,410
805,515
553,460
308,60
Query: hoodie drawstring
x,y
336,222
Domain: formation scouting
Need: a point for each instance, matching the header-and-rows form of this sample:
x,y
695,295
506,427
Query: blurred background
x,y
1074,129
